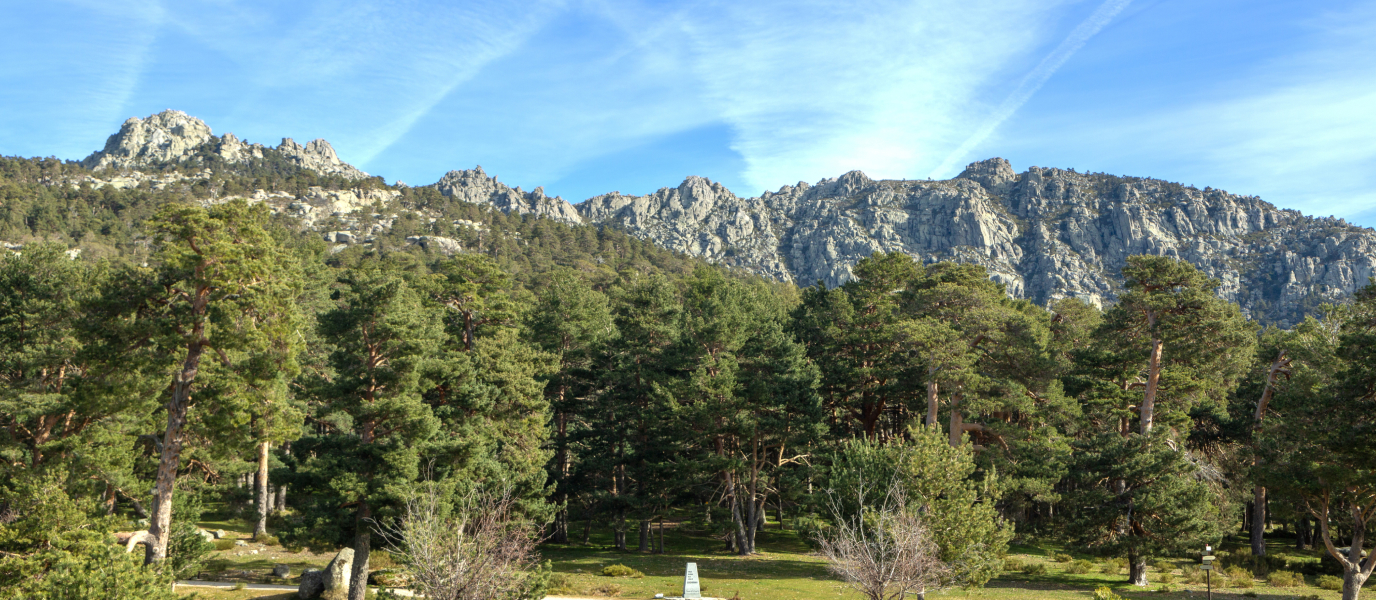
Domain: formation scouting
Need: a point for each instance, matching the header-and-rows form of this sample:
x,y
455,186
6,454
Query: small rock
x,y
206,535
254,552
240,543
219,534
282,571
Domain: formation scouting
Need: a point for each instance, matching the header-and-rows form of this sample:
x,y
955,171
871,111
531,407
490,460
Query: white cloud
x,y
815,89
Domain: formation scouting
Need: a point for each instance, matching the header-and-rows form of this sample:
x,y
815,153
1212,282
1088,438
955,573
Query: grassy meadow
x,y
786,569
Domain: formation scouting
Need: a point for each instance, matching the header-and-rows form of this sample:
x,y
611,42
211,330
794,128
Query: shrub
x,y
271,540
1103,592
621,571
607,589
1013,565
1034,569
1250,593
381,559
1166,578
1062,557
1329,582
238,587
224,544
1192,573
1236,572
1079,567
1112,566
1241,582
1284,579
1164,566
1165,589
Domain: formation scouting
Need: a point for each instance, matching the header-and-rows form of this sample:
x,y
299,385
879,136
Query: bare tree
x,y
478,550
884,552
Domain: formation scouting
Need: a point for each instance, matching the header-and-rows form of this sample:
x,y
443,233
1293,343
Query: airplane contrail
x,y
1034,80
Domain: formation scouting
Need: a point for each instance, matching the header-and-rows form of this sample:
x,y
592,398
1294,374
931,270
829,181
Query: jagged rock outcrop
x,y
318,156
170,135
701,218
1044,233
174,136
475,186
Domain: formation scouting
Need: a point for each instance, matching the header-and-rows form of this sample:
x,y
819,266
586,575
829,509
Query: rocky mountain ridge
x,y
1044,233
173,136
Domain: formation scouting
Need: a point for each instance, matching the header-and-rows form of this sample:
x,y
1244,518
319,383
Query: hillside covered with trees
x,y
204,355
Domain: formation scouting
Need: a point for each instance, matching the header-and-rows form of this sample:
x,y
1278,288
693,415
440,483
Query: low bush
x,y
1079,567
1165,589
1034,568
1283,579
621,571
1166,578
1112,566
1235,572
1013,565
1192,573
1164,566
224,544
1062,557
1104,592
1243,582
266,540
1329,582
1250,593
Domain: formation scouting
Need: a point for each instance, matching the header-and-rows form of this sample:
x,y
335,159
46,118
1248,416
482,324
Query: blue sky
x,y
1275,98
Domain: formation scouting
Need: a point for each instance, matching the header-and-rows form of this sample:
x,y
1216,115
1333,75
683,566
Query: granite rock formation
x,y
475,186
173,136
1044,233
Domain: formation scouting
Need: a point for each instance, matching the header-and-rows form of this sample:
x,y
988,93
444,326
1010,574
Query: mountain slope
x,y
1044,233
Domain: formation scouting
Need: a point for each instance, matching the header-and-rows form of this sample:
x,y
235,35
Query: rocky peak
x,y
475,186
167,136
995,174
174,136
319,156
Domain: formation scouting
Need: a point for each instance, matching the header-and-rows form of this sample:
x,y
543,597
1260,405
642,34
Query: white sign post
x,y
692,588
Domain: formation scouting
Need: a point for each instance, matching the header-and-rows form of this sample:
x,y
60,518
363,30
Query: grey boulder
x,y
312,583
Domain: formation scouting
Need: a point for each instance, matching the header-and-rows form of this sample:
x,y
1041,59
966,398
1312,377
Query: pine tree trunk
x,y
661,535
1353,578
281,503
1258,521
931,398
587,530
170,458
1137,568
358,579
109,499
957,421
620,527
1148,409
644,536
261,493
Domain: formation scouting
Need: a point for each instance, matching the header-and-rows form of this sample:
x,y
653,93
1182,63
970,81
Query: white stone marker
x,y
691,587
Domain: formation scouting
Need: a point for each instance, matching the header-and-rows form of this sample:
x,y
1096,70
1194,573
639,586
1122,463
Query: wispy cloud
x,y
1296,128
1032,82
115,41
814,89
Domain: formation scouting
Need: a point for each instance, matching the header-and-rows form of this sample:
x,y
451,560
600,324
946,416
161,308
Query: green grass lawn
x,y
785,569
